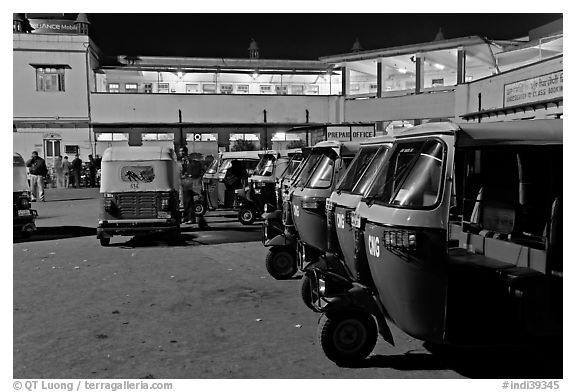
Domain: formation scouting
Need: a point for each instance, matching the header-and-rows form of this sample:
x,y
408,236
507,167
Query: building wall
x,y
492,90
407,107
33,105
219,109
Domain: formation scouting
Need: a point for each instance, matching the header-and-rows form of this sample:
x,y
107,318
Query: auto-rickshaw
x,y
139,192
212,182
354,184
24,215
304,207
261,195
460,235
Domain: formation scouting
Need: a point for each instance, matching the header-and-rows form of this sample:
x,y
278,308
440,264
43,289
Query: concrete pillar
x,y
461,66
382,75
419,73
345,81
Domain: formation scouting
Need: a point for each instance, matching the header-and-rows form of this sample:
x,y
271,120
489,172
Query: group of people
x,y
66,173
192,168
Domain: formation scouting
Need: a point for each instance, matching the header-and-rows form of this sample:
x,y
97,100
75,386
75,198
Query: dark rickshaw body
x,y
461,238
24,215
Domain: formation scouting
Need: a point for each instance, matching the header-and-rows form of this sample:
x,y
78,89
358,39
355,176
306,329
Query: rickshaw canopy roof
x,y
525,132
246,154
343,148
378,140
138,153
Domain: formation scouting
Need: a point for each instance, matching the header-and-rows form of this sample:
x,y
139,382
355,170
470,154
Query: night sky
x,y
292,36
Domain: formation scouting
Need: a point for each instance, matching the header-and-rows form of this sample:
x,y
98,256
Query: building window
x,y
192,88
242,89
281,90
225,89
312,89
71,149
373,86
164,88
113,87
148,88
50,79
298,89
110,137
158,136
209,88
131,87
265,89
437,82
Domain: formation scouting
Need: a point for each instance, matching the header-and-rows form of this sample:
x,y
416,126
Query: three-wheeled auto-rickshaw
x,y
460,235
343,201
217,194
303,209
24,215
139,192
261,195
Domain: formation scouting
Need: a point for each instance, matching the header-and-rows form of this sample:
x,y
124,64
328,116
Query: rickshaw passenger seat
x,y
496,210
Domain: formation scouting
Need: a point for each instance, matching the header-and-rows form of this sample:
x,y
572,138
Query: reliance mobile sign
x,y
53,26
540,88
349,132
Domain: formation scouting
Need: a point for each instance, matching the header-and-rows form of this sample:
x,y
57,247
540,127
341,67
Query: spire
x,y
356,47
253,51
439,35
82,22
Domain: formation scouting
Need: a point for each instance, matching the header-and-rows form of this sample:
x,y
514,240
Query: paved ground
x,y
204,309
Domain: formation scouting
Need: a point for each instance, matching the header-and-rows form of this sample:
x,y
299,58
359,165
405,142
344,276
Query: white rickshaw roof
x,y
138,153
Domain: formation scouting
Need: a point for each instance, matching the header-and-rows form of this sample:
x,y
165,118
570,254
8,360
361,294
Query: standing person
x,y
91,165
58,170
186,188
66,169
76,169
38,171
98,162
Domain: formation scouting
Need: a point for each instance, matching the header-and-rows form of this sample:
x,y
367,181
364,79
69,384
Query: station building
x,y
70,97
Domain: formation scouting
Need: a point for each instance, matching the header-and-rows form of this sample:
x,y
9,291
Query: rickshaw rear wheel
x,y
246,216
199,209
281,263
347,337
105,241
309,296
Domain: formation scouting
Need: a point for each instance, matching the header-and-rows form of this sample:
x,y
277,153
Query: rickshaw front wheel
x,y
281,263
246,216
105,241
199,209
347,337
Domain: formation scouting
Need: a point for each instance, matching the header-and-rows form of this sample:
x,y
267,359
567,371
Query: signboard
x,y
540,88
348,133
53,26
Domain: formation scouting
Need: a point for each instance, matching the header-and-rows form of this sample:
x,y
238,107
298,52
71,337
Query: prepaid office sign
x,y
349,133
536,89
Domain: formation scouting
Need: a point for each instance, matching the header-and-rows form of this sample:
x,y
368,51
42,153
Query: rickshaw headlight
x,y
108,201
165,204
355,220
321,287
329,204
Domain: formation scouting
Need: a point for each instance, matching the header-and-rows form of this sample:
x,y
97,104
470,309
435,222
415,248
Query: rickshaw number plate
x,y
23,212
163,214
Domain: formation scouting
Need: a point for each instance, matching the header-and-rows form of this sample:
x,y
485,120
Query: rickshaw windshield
x,y
213,167
322,177
225,165
413,176
265,167
292,165
357,168
309,166
374,168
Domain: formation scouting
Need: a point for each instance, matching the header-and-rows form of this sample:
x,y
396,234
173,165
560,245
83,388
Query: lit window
x,y
110,137
131,87
298,89
113,87
313,89
225,89
242,89
50,79
265,89
281,90
163,88
209,88
192,88
71,149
